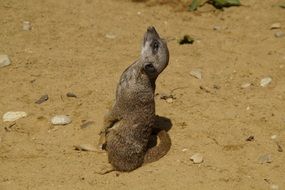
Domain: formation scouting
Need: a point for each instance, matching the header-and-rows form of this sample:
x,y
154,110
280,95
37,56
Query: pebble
x,y
265,81
273,137
266,158
169,100
279,34
27,26
13,116
216,87
4,60
184,149
197,73
274,187
250,138
197,158
246,85
164,96
276,25
110,36
71,95
87,124
216,28
85,147
279,147
61,120
42,99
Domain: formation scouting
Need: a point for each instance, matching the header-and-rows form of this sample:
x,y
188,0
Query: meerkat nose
x,y
152,30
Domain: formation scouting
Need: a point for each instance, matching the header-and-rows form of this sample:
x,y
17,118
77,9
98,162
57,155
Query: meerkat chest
x,y
134,88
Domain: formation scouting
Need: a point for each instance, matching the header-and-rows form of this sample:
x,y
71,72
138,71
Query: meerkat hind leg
x,y
110,121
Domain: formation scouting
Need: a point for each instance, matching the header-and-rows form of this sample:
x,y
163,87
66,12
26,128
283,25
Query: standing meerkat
x,y
128,126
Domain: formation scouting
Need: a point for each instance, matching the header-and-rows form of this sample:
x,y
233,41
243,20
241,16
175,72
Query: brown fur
x,y
128,126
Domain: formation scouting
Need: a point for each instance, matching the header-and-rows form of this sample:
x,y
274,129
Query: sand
x,y
83,47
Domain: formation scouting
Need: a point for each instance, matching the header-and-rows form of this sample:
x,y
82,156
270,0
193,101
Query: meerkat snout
x,y
149,69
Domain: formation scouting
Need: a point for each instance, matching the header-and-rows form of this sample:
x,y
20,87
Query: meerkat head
x,y
154,53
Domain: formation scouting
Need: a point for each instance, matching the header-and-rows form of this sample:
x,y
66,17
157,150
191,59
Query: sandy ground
x,y
69,50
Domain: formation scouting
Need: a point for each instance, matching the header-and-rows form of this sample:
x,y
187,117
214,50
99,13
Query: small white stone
x,y
197,158
184,149
27,25
265,81
197,73
276,25
4,60
13,116
139,13
110,36
61,120
274,187
279,34
273,137
247,108
169,100
246,85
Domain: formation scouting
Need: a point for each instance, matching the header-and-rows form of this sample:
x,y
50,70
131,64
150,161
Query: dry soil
x,y
83,46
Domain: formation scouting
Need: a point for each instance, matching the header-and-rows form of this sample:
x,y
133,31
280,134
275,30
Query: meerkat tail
x,y
157,152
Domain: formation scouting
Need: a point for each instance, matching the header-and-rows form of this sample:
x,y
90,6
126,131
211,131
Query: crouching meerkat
x,y
129,124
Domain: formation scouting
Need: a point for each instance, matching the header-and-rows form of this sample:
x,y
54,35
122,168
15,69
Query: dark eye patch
x,y
155,45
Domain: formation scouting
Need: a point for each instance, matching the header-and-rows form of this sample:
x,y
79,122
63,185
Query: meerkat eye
x,y
155,45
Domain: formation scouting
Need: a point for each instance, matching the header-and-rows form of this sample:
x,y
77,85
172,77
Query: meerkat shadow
x,y
161,123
